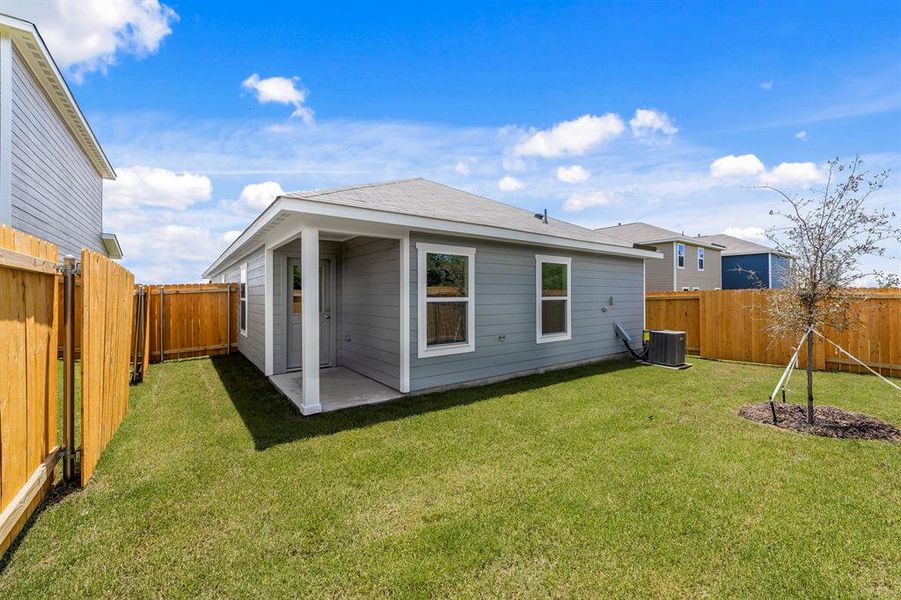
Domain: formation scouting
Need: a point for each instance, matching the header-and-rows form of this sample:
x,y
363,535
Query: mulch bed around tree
x,y
828,422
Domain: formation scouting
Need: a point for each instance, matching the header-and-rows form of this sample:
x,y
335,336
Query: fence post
x,y
70,267
228,319
162,297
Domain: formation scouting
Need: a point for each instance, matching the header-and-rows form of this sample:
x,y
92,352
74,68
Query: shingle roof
x,y
424,198
643,233
639,232
736,245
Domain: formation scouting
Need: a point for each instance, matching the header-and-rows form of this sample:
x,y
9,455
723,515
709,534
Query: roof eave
x,y
59,94
317,208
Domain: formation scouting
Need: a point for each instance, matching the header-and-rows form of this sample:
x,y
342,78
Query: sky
x,y
670,113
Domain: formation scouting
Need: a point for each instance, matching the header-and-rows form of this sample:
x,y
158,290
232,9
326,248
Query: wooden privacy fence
x,y
731,325
30,320
106,345
28,327
188,320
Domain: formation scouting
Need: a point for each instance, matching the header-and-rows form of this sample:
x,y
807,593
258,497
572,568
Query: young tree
x,y
827,233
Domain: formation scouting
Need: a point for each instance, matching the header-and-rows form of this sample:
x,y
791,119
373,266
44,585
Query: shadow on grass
x,y
57,492
272,419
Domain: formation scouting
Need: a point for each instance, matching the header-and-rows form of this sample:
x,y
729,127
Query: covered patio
x,y
346,345
339,387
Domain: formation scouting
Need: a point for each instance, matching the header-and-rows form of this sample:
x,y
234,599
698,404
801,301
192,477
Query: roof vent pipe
x,y
541,216
545,216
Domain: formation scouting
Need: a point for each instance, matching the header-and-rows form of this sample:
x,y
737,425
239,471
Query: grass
x,y
604,480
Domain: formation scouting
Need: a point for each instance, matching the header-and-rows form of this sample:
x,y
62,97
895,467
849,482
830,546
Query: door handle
x,y
327,316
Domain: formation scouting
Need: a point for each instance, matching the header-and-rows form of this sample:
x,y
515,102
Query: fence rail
x,y
188,320
732,325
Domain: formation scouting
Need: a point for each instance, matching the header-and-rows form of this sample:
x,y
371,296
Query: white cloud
x,y
171,253
752,234
513,163
801,135
573,174
767,85
281,90
88,35
578,202
571,137
652,126
508,183
141,186
260,195
229,236
798,174
461,168
733,166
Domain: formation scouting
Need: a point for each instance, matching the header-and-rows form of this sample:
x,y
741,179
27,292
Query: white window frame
x,y
242,302
422,348
541,259
682,256
701,259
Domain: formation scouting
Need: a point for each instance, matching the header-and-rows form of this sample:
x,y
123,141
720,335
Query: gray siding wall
x,y
369,309
708,279
659,272
253,344
57,194
505,306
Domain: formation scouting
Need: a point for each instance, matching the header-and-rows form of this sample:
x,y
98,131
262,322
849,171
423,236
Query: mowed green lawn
x,y
605,480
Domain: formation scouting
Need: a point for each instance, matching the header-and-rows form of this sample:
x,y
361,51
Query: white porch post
x,y
309,258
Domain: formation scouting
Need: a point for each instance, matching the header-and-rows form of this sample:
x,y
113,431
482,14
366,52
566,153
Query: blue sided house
x,y
747,265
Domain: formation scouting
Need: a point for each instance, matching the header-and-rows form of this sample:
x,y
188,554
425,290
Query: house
x,y
749,265
51,166
689,263
419,287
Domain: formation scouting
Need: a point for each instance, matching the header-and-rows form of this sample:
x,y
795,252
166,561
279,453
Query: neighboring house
x,y
689,263
51,166
422,287
749,265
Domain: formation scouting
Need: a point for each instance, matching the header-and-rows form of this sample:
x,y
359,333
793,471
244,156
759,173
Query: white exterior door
x,y
295,322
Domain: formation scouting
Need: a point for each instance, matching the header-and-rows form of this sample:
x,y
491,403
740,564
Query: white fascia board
x,y
683,240
26,34
308,208
311,207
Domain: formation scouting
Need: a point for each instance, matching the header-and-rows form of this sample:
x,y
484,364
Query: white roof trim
x,y
32,48
683,240
414,222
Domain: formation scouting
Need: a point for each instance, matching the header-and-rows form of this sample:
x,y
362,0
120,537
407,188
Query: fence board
x,y
197,320
107,313
28,329
731,325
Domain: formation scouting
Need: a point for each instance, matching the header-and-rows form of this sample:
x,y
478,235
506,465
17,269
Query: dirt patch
x,y
829,421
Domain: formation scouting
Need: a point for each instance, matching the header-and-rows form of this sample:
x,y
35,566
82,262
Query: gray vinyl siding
x,y
691,277
252,346
369,309
659,272
505,305
57,194
280,296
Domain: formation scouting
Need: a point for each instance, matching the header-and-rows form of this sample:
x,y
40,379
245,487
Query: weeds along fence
x,y
732,325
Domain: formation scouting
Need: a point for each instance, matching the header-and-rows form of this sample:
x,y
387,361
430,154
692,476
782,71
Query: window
x,y
296,290
446,277
680,255
700,259
242,301
552,291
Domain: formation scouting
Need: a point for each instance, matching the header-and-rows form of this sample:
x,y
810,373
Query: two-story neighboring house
x,y
748,265
51,166
688,263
